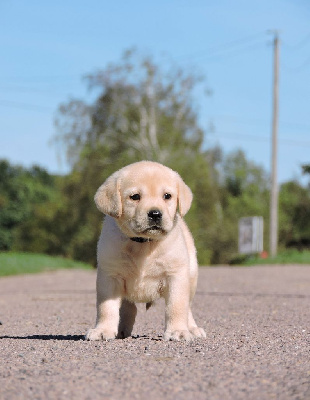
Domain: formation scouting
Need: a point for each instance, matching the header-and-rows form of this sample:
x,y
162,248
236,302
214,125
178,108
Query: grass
x,y
284,257
29,263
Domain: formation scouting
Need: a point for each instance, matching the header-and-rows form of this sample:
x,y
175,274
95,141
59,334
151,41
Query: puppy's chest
x,y
142,279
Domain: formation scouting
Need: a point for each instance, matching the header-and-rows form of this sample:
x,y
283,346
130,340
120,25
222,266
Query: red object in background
x,y
263,254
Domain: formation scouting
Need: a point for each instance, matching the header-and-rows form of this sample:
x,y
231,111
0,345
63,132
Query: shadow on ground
x,y
46,337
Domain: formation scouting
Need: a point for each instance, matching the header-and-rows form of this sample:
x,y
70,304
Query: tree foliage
x,y
21,192
242,189
140,111
294,215
306,168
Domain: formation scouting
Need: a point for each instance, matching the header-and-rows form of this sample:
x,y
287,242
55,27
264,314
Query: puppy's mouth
x,y
149,229
154,229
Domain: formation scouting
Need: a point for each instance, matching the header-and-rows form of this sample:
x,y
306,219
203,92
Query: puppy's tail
x,y
149,304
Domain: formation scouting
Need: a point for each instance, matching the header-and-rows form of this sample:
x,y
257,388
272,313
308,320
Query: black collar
x,y
140,239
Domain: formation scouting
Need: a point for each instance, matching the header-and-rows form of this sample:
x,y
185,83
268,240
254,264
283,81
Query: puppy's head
x,y
144,198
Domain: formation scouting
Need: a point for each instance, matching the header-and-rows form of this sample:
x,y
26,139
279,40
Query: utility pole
x,y
274,152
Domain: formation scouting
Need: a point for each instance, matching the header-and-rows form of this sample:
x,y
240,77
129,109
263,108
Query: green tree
x,y
306,168
243,192
294,220
21,191
140,112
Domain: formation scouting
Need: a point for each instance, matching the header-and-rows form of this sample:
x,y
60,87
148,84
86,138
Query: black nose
x,y
154,215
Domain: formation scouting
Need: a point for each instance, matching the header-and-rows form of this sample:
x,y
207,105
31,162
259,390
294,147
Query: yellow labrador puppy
x,y
145,251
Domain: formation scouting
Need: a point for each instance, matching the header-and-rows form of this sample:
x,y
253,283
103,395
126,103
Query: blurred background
x,y
88,87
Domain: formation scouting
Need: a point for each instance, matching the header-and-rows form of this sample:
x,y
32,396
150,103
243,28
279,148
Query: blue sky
x,y
46,48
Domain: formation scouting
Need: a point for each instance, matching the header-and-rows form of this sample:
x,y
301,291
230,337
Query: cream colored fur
x,y
131,272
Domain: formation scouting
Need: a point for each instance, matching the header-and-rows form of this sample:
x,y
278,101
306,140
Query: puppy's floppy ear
x,y
185,197
108,198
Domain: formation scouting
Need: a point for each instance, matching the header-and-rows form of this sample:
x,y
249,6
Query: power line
x,y
258,138
232,53
32,90
25,106
299,44
226,54
257,121
217,48
298,68
213,52
40,78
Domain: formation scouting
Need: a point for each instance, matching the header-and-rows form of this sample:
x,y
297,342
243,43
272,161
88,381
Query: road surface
x,y
257,347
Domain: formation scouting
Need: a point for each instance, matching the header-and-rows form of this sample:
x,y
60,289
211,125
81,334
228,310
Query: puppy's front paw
x,y
178,335
99,333
198,332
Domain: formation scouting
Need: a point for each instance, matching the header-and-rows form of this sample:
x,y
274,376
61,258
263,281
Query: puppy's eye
x,y
167,196
135,197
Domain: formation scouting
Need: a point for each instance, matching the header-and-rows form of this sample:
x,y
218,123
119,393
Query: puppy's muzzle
x,y
155,216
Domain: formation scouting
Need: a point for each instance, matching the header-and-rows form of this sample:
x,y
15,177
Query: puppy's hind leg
x,y
193,328
128,312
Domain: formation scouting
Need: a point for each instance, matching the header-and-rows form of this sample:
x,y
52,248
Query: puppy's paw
x,y
178,335
100,333
123,333
198,332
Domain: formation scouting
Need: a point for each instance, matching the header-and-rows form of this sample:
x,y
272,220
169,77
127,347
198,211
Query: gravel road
x,y
256,319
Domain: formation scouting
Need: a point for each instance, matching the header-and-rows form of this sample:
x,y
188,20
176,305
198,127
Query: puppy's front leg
x,y
108,305
177,308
